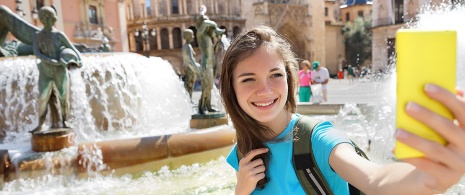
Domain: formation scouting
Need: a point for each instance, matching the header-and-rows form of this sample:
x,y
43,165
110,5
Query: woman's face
x,y
304,67
260,83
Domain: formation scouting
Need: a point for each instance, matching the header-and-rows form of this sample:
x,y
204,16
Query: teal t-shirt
x,y
283,179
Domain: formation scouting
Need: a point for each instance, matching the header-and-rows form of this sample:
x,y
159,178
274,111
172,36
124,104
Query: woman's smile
x,y
265,103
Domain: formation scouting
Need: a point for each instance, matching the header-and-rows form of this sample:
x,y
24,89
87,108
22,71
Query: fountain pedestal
x,y
52,139
202,121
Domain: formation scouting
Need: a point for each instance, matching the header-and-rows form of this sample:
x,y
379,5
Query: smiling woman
x,y
257,87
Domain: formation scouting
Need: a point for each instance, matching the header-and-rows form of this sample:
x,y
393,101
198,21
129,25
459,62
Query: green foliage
x,y
357,40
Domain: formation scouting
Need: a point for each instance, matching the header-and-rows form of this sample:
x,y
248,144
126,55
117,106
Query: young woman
x,y
257,86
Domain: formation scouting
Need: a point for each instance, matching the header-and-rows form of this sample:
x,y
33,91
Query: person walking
x,y
351,74
305,81
321,76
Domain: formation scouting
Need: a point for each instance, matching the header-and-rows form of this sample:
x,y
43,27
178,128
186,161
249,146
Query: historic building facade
x,y
168,18
86,22
389,16
303,23
335,49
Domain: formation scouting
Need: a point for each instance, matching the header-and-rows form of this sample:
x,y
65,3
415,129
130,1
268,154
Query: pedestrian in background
x,y
305,81
351,74
321,76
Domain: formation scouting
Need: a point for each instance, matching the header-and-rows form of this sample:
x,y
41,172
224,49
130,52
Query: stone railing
x,y
93,32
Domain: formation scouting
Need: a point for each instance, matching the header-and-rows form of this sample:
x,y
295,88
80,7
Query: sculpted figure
x,y
207,30
191,68
56,53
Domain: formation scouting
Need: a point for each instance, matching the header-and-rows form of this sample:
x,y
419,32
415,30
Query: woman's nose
x,y
264,88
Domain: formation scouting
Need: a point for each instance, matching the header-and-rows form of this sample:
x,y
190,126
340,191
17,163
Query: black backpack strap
x,y
306,168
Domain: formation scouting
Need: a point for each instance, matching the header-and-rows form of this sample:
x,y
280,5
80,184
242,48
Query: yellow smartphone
x,y
422,57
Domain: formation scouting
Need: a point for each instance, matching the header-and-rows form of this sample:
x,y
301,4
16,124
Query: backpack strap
x,y
306,168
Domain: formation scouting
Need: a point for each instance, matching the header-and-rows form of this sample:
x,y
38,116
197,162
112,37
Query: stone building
x,y
335,49
389,16
83,21
168,18
356,8
301,22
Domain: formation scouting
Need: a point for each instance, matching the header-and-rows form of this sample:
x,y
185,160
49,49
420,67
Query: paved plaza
x,y
363,91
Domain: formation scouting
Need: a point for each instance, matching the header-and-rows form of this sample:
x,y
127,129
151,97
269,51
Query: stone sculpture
x,y
191,68
56,54
207,31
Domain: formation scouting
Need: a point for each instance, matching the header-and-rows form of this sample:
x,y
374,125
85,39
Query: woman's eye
x,y
247,80
276,75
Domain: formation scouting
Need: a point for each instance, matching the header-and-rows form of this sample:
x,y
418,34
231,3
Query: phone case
x,y
422,57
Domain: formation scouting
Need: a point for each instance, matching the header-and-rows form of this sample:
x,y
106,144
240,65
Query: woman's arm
x,y
442,166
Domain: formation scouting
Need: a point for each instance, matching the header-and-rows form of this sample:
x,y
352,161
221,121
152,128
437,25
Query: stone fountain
x,y
127,116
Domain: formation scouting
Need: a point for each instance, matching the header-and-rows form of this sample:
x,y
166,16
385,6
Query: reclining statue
x,y
20,28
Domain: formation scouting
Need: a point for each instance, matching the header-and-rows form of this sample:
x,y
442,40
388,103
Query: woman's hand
x,y
442,166
250,172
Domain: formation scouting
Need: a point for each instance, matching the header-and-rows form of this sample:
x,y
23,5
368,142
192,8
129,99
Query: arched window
x,y
139,43
153,41
177,38
236,31
165,41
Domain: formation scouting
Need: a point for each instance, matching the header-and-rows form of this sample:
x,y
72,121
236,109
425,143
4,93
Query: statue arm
x,y
211,23
67,43
40,55
190,54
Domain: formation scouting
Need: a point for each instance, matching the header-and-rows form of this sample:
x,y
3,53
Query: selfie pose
x,y
257,86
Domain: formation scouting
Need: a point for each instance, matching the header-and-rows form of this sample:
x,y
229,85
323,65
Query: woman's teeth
x,y
263,104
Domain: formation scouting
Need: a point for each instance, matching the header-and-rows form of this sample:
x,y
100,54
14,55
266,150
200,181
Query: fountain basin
x,y
124,156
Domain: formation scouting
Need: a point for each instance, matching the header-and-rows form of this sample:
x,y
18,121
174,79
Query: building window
x,y
360,14
326,11
399,11
347,17
165,39
174,7
177,38
236,32
153,41
93,14
148,7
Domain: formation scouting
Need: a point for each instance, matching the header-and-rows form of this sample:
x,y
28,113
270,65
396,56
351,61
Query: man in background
x,y
320,76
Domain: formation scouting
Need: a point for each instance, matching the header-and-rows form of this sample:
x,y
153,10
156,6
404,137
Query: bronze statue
x,y
56,53
207,30
191,68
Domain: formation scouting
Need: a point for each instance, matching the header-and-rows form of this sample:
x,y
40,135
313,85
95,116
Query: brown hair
x,y
249,133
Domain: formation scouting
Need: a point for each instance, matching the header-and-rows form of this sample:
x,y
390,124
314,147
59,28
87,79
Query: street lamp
x,y
145,37
35,15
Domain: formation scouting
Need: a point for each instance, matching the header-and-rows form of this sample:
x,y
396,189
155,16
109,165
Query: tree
x,y
357,41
